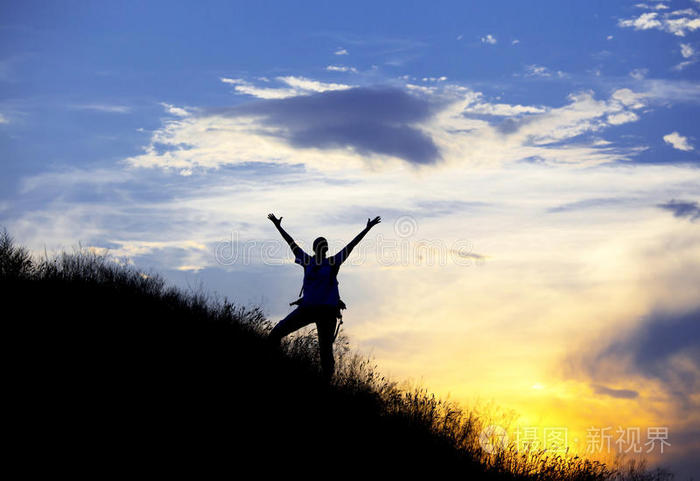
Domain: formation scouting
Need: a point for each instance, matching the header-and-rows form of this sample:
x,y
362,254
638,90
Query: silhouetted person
x,y
321,300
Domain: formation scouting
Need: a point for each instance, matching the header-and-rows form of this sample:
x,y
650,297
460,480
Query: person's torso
x,y
321,284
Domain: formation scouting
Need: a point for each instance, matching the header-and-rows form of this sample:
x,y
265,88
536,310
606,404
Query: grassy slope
x,y
109,368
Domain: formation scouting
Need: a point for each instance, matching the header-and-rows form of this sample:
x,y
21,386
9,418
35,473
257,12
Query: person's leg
x,y
325,327
296,319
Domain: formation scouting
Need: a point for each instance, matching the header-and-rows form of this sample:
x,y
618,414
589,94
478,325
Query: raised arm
x,y
292,245
343,254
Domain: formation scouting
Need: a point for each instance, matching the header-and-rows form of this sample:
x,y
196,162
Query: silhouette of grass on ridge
x,y
111,363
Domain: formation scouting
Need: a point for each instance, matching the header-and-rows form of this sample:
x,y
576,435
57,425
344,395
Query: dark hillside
x,y
110,370
109,365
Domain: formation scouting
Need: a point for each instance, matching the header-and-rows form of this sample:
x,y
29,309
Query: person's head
x,y
320,247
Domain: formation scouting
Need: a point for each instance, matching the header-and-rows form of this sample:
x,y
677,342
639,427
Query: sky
x,y
535,165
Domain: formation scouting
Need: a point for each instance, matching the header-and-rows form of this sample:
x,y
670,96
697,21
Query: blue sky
x,y
70,68
548,151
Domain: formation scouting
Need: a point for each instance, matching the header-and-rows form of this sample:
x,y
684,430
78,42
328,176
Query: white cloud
x,y
678,22
584,114
678,142
233,81
609,37
434,79
671,91
680,13
683,65
341,68
305,84
509,133
687,50
421,88
341,51
72,178
107,108
644,22
629,98
537,71
658,6
622,118
479,106
515,42
639,73
681,25
490,39
177,111
689,53
244,87
294,86
543,72
3,119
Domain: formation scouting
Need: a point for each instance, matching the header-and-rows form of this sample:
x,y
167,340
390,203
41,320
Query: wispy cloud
x,y
387,49
689,53
587,204
307,85
294,86
677,141
3,119
682,209
687,50
341,68
106,108
639,73
489,39
434,79
670,91
616,393
177,111
481,106
683,65
542,72
629,98
677,22
622,118
658,6
245,87
537,71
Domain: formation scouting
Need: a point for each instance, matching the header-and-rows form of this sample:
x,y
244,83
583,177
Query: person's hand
x,y
275,220
373,222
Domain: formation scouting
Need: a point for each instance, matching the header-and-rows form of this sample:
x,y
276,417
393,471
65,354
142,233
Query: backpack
x,y
341,305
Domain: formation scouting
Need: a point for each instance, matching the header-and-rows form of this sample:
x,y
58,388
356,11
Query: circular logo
x,y
405,226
